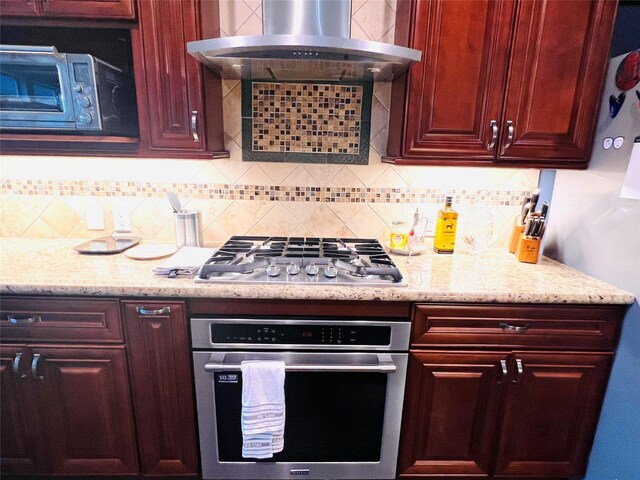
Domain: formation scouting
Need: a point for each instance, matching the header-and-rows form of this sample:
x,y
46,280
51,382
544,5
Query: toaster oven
x,y
43,90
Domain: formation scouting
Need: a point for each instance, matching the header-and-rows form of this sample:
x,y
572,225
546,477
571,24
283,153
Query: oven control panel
x,y
296,334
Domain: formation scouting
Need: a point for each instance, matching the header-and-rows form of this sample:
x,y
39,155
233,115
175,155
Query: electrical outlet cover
x,y
121,220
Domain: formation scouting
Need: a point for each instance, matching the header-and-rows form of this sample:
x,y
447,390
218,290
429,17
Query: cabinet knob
x,y
510,133
159,311
194,126
494,134
16,366
34,367
23,320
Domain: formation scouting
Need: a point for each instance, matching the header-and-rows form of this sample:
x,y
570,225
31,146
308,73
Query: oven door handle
x,y
384,365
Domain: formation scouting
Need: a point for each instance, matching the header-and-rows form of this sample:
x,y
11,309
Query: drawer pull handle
x,y
504,372
19,320
510,134
194,126
494,134
159,311
514,328
16,366
34,367
520,369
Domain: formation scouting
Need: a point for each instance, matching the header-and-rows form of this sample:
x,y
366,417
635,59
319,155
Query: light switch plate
x,y
94,216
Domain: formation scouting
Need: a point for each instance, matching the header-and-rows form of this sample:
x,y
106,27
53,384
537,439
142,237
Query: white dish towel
x,y
263,409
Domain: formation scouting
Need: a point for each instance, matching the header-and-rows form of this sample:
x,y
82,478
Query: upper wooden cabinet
x,y
505,83
179,103
90,9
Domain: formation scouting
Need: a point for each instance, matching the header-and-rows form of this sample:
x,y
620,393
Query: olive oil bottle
x,y
446,224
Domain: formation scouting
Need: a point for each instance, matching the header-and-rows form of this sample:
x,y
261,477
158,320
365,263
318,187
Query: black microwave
x,y
42,90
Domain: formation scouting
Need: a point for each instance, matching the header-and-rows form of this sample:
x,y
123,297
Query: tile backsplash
x,y
306,122
51,196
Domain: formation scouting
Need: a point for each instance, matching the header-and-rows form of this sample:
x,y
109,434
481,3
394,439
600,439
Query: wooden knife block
x,y
528,249
516,232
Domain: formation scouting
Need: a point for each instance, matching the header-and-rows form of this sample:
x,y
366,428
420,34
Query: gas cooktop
x,y
301,260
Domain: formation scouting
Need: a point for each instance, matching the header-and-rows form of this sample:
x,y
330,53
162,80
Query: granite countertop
x,y
47,266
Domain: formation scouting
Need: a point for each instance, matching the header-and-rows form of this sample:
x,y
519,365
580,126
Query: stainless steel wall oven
x,y
344,388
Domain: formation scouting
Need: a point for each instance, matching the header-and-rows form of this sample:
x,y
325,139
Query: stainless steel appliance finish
x,y
344,392
42,89
301,261
304,40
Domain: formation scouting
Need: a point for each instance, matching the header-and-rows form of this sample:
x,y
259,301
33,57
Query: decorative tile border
x,y
275,193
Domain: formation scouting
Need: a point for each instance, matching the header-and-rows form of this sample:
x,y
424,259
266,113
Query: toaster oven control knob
x,y
330,271
84,102
311,269
85,117
273,270
77,88
293,269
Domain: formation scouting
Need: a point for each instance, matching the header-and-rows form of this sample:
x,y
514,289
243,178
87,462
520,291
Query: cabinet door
x,y
551,411
555,80
455,94
160,360
18,8
451,409
95,9
171,115
83,393
20,431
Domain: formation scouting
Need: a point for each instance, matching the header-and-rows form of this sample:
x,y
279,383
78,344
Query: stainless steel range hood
x,y
304,40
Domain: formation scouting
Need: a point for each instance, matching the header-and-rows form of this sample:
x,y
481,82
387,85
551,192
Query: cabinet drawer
x,y
584,327
60,319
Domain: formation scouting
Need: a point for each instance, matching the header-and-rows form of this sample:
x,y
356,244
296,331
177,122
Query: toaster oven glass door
x,y
35,90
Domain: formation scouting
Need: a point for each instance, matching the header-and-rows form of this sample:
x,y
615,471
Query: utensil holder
x,y
188,226
516,232
528,249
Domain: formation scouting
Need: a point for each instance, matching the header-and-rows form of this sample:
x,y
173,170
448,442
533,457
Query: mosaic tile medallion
x,y
328,122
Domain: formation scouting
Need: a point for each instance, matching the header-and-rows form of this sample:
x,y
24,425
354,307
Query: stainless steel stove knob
x,y
311,269
293,269
330,271
273,270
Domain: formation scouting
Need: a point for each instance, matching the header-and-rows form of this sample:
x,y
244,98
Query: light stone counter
x,y
42,266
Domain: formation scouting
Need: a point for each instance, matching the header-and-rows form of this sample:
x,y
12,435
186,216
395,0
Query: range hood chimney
x,y
304,40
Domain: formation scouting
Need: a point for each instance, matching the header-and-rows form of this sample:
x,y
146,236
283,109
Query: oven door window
x,y
30,88
330,417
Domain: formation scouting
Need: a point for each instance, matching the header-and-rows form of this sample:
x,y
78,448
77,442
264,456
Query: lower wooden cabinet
x,y
66,410
499,410
21,451
159,355
551,409
534,413
452,405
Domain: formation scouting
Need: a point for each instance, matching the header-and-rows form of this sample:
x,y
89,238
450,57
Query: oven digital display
x,y
81,72
322,334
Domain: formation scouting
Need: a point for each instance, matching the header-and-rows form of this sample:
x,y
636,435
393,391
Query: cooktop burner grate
x,y
301,260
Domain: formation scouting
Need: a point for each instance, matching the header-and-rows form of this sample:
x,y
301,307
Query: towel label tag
x,y
299,471
227,378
